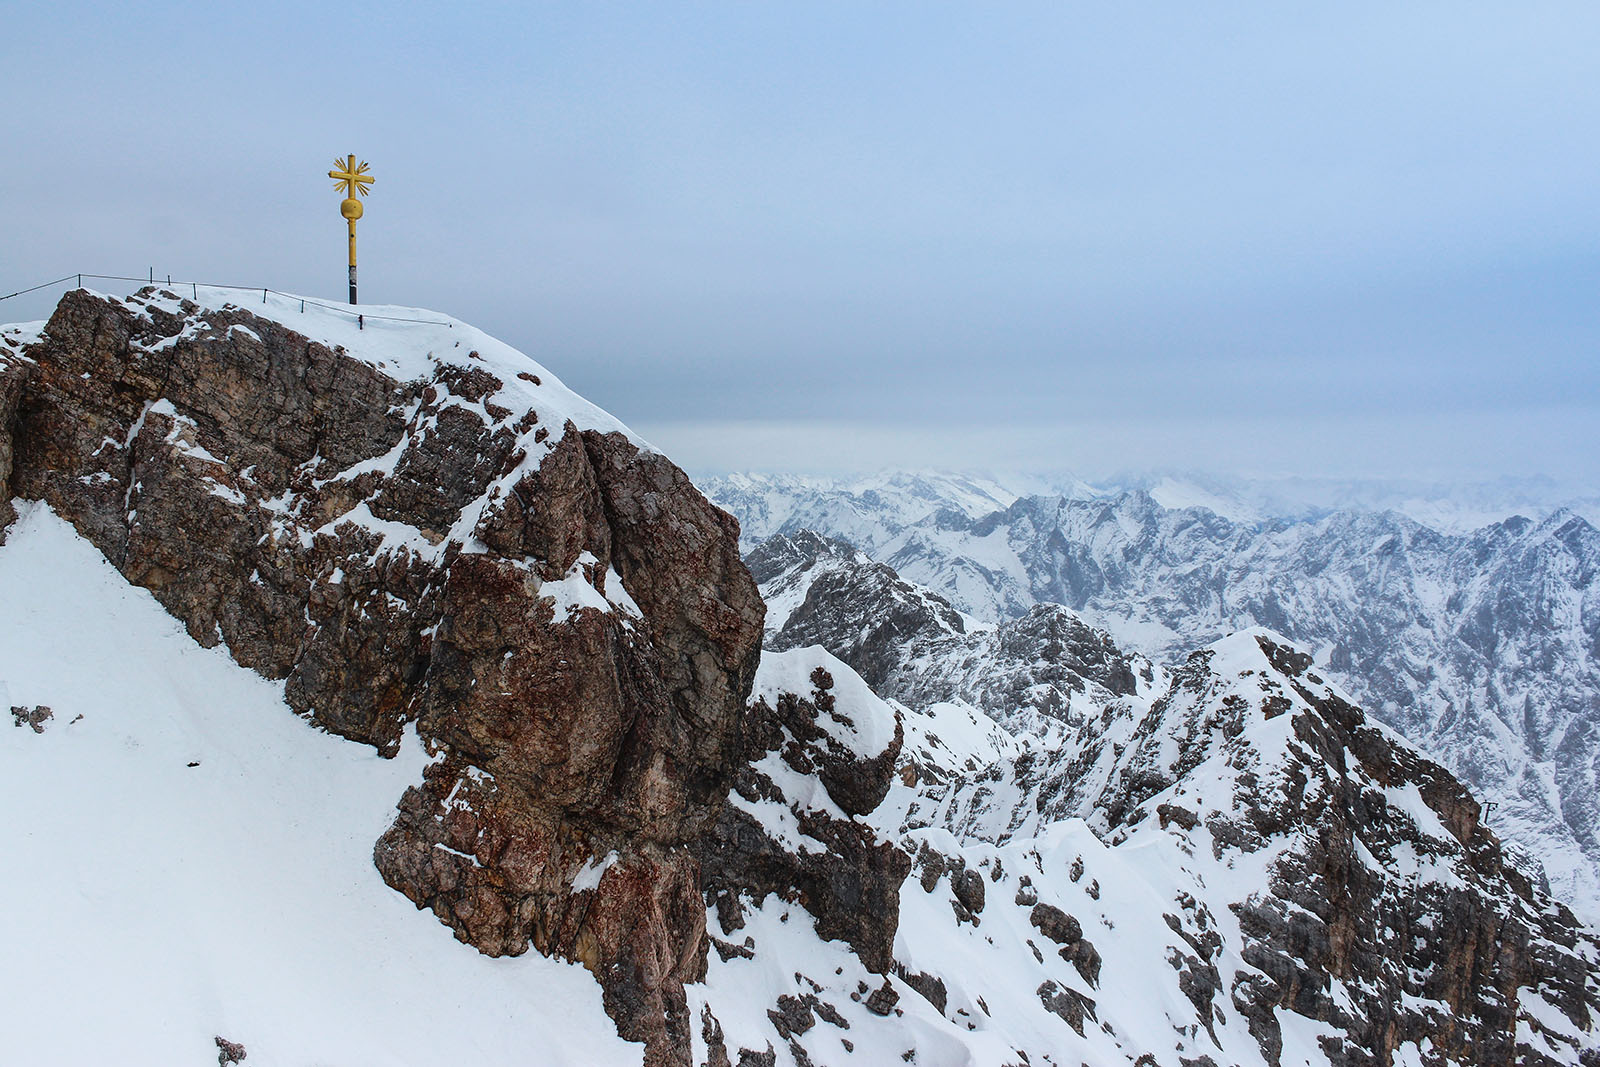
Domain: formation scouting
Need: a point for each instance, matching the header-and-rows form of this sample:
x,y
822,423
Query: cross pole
x,y
352,180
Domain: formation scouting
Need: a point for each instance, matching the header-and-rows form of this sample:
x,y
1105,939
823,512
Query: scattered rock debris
x,y
33,717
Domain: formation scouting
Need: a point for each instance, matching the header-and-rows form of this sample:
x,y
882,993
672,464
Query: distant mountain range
x,y
1480,646
878,506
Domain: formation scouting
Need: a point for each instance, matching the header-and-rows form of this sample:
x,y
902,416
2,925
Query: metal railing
x,y
359,316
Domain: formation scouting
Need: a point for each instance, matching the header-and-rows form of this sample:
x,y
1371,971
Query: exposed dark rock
x,y
1070,1005
1055,924
857,609
727,950
1067,932
883,999
968,888
249,477
13,376
930,986
716,1043
1027,896
35,718
792,1016
1173,813
932,865
747,1058
851,884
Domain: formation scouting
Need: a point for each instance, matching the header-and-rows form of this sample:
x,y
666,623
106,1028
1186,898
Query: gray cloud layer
x,y
966,226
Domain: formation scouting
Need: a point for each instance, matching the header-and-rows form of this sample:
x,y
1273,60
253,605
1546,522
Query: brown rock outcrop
x,y
848,880
1390,914
562,617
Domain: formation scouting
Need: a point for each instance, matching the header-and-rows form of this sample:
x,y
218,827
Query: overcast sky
x,y
1341,239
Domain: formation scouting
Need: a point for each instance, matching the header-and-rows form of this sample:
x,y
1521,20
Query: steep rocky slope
x,y
418,528
1241,870
1332,896
1483,648
912,646
186,859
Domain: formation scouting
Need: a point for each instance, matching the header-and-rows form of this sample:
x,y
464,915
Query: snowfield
x,y
188,859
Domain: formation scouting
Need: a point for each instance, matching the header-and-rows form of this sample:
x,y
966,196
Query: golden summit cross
x,y
351,179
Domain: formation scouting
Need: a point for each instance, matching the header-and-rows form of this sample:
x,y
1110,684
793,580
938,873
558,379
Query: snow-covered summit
x,y
419,533
405,343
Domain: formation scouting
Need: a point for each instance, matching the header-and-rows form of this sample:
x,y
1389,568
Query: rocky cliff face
x,y
808,845
419,529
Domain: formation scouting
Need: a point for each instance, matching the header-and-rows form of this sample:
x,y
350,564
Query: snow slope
x,y
1178,882
152,905
1218,809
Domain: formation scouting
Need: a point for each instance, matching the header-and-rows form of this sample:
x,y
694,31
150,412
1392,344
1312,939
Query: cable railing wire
x,y
359,316
36,288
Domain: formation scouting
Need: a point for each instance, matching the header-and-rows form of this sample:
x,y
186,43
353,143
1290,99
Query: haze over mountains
x,y
781,502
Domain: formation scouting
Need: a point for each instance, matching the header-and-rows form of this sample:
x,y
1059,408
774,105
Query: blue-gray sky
x,y
1342,239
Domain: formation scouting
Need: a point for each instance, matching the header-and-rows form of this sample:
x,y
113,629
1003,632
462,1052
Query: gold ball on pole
x,y
352,180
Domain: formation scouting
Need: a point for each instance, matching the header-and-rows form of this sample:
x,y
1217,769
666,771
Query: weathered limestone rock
x,y
1442,954
850,882
558,614
13,374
